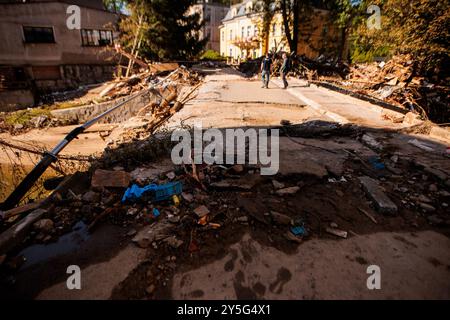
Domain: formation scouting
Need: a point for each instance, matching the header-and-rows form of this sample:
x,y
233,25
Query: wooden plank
x,y
22,209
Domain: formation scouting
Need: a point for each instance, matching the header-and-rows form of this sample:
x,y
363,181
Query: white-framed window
x,y
96,38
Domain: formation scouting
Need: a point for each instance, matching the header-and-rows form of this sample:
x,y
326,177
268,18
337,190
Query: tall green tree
x,y
174,33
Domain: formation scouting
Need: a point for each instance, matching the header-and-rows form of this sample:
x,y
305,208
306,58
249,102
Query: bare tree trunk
x,y
286,12
295,26
343,44
135,43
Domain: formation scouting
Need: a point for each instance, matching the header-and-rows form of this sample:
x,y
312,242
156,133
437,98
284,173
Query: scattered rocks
x,y
174,219
337,232
280,218
201,211
91,197
243,219
371,142
132,211
39,121
375,192
187,196
334,225
174,242
131,233
171,175
44,225
115,179
427,207
287,191
277,185
155,232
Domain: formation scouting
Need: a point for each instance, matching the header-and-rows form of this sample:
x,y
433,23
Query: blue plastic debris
x,y
156,212
298,231
376,163
152,192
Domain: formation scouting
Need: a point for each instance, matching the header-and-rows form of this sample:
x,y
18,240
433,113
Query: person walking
x,y
266,67
284,70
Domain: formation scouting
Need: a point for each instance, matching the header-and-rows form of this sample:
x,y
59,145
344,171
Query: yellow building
x,y
241,28
239,33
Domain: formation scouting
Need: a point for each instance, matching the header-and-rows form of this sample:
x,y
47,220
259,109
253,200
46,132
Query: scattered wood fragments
x,y
368,215
337,232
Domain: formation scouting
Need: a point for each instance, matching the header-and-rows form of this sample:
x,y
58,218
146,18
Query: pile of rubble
x,y
179,79
397,82
126,86
185,212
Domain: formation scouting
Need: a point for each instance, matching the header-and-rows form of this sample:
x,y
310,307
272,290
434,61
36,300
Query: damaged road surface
x,y
348,196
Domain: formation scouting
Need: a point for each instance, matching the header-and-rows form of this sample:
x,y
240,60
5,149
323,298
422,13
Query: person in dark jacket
x,y
266,67
284,70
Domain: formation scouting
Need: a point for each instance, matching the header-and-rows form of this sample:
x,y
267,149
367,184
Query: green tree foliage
x,y
168,31
175,34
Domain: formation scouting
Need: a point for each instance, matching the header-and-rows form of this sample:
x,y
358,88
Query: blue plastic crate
x,y
166,191
153,192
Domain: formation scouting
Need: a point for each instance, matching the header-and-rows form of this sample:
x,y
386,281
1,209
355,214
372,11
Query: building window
x,y
274,29
231,34
231,52
223,35
249,31
242,32
96,38
38,34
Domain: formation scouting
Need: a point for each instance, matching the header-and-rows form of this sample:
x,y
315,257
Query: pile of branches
x,y
312,69
397,82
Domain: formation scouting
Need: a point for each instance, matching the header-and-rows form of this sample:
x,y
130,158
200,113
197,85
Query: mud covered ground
x,y
240,203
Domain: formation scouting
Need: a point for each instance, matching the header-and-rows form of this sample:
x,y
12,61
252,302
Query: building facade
x,y
212,14
39,52
240,33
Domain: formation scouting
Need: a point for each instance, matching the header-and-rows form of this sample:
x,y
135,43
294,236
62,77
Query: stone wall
x,y
85,113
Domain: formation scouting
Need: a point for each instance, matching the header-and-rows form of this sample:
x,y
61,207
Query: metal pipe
x,y
50,157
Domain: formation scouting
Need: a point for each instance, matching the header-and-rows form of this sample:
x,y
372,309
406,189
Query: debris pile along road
x,y
337,182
